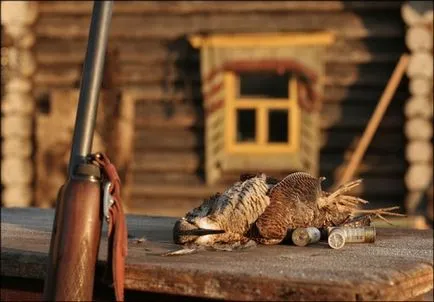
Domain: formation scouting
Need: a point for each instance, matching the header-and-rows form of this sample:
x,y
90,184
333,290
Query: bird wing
x,y
296,191
298,186
240,205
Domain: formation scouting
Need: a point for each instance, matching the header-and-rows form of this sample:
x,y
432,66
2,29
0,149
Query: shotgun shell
x,y
336,238
305,236
358,235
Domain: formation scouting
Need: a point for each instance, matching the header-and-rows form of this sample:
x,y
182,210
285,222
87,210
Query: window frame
x,y
261,107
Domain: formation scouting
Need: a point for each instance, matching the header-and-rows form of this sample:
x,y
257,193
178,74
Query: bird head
x,y
186,231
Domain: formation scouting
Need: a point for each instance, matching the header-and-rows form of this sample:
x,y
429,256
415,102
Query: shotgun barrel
x,y
77,224
90,84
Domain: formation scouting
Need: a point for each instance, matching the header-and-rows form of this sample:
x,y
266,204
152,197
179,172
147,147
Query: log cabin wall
x,y
17,102
418,16
161,72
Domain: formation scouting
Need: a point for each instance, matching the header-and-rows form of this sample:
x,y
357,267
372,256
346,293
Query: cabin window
x,y
262,112
261,96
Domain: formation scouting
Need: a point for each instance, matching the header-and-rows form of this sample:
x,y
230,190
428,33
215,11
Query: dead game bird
x,y
223,220
260,209
299,201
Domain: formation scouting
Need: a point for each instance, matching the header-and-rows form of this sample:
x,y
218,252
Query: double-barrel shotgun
x,y
91,192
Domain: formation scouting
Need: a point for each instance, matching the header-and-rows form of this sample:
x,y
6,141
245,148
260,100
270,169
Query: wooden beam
x,y
264,39
197,7
50,52
337,74
375,120
345,24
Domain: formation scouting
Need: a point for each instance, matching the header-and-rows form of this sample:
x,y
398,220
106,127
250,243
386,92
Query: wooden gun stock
x,y
75,242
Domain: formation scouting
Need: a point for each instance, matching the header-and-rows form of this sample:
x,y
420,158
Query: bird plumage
x,y
264,209
232,212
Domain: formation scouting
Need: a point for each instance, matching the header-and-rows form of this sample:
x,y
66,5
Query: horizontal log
x,y
152,52
183,163
16,125
419,151
18,14
176,191
174,140
419,38
178,207
418,129
188,7
337,74
17,147
375,187
17,196
419,107
383,141
421,86
359,94
332,116
420,64
186,162
171,115
372,164
170,207
418,177
58,77
332,94
345,24
371,186
331,164
173,178
356,117
18,103
27,39
16,171
18,84
148,139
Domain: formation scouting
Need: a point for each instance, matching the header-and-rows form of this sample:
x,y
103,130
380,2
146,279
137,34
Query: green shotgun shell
x,y
305,236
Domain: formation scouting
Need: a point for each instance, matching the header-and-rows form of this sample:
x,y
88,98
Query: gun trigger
x,y
107,200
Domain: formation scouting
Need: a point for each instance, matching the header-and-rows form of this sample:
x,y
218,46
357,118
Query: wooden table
x,y
399,266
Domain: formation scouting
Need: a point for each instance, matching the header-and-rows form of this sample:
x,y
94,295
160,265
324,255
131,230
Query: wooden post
x,y
418,17
375,120
18,104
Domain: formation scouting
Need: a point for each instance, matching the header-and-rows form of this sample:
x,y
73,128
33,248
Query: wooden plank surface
x,y
398,266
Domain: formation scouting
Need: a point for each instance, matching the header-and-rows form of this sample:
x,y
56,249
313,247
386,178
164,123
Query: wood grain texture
x,y
187,7
134,74
398,266
50,52
345,24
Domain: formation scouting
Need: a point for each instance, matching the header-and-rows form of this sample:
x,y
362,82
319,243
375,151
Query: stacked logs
x,y
418,15
17,105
